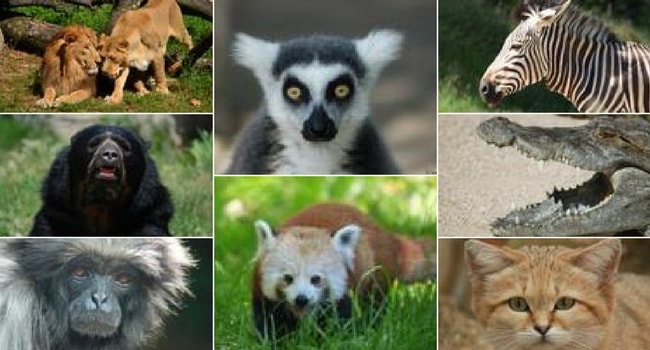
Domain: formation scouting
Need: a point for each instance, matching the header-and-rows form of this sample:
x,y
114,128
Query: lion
x,y
139,39
70,66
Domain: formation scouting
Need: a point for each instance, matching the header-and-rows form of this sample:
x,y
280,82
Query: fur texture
x,y
547,297
70,66
79,201
315,116
139,39
315,259
34,312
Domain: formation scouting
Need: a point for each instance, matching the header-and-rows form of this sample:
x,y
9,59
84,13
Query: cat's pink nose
x,y
542,329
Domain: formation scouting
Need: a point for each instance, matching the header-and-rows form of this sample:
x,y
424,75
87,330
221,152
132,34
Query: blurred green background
x,y
471,33
399,204
28,146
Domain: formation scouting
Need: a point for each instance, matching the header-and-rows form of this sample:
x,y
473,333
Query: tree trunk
x,y
28,34
120,7
176,65
47,3
2,41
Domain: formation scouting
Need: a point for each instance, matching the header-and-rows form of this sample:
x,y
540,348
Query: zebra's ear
x,y
548,15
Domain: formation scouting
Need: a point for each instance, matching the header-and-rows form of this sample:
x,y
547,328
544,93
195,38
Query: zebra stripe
x,y
576,56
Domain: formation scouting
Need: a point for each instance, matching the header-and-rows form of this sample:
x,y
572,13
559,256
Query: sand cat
x,y
547,297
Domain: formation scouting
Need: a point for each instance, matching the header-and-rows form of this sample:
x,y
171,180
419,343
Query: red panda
x,y
312,262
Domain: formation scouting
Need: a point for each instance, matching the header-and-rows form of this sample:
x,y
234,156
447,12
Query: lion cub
x,y
546,297
139,38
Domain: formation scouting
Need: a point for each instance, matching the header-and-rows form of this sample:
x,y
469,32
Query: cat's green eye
x,y
564,303
518,304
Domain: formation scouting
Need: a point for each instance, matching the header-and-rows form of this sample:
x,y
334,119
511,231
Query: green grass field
x,y
191,92
27,149
399,204
471,33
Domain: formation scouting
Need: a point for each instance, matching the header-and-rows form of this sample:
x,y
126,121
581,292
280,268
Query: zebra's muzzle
x,y
489,94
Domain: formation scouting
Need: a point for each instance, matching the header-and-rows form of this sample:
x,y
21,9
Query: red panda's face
x,y
306,266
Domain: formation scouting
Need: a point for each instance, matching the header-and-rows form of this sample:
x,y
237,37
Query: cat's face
x,y
543,297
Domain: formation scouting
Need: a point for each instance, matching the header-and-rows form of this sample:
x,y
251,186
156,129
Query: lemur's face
x,y
318,86
318,98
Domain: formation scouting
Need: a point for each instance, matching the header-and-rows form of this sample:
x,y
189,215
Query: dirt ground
x,y
404,100
479,183
18,69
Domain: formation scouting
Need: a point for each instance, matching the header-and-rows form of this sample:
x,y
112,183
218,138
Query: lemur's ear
x,y
345,242
378,49
255,54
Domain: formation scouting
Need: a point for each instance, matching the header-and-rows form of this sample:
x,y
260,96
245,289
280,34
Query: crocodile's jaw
x,y
602,205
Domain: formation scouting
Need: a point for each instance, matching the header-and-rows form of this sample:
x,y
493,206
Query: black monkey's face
x,y
107,154
98,297
106,163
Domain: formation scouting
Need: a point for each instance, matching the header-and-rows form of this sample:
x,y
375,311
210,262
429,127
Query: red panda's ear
x,y
345,242
264,233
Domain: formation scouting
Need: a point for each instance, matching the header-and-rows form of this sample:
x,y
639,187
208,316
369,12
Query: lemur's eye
x,y
342,91
315,280
294,93
288,279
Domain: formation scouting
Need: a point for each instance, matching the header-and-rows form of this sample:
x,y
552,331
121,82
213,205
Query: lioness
x,y
139,39
70,66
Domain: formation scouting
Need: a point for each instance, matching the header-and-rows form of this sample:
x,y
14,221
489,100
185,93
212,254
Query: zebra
x,y
576,56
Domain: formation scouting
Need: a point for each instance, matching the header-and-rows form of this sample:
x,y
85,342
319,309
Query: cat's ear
x,y
483,258
601,259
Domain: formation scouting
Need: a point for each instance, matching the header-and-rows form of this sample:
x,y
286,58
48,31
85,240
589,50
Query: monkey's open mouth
x,y
107,173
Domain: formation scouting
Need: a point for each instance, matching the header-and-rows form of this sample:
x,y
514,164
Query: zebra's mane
x,y
582,24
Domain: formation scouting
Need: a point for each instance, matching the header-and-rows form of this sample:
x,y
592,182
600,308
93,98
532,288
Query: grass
x,y
191,92
27,150
471,33
398,204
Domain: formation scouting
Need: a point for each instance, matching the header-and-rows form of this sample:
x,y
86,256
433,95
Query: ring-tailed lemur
x,y
315,115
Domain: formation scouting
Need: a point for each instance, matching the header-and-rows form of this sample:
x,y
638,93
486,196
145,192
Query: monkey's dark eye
x,y
288,279
123,279
92,145
79,272
316,280
125,145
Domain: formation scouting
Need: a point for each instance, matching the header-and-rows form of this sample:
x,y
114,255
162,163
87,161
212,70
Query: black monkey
x,y
103,184
88,294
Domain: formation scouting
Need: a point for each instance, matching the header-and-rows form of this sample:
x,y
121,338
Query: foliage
x,y
26,157
96,18
399,204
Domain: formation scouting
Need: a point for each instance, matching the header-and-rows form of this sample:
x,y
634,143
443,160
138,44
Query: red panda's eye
x,y
288,279
315,280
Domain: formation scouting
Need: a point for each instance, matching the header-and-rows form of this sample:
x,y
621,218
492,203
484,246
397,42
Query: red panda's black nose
x,y
301,300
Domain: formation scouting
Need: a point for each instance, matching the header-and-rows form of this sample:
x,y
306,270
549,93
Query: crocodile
x,y
615,200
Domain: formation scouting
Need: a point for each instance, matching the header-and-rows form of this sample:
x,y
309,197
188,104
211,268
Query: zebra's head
x,y
521,61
